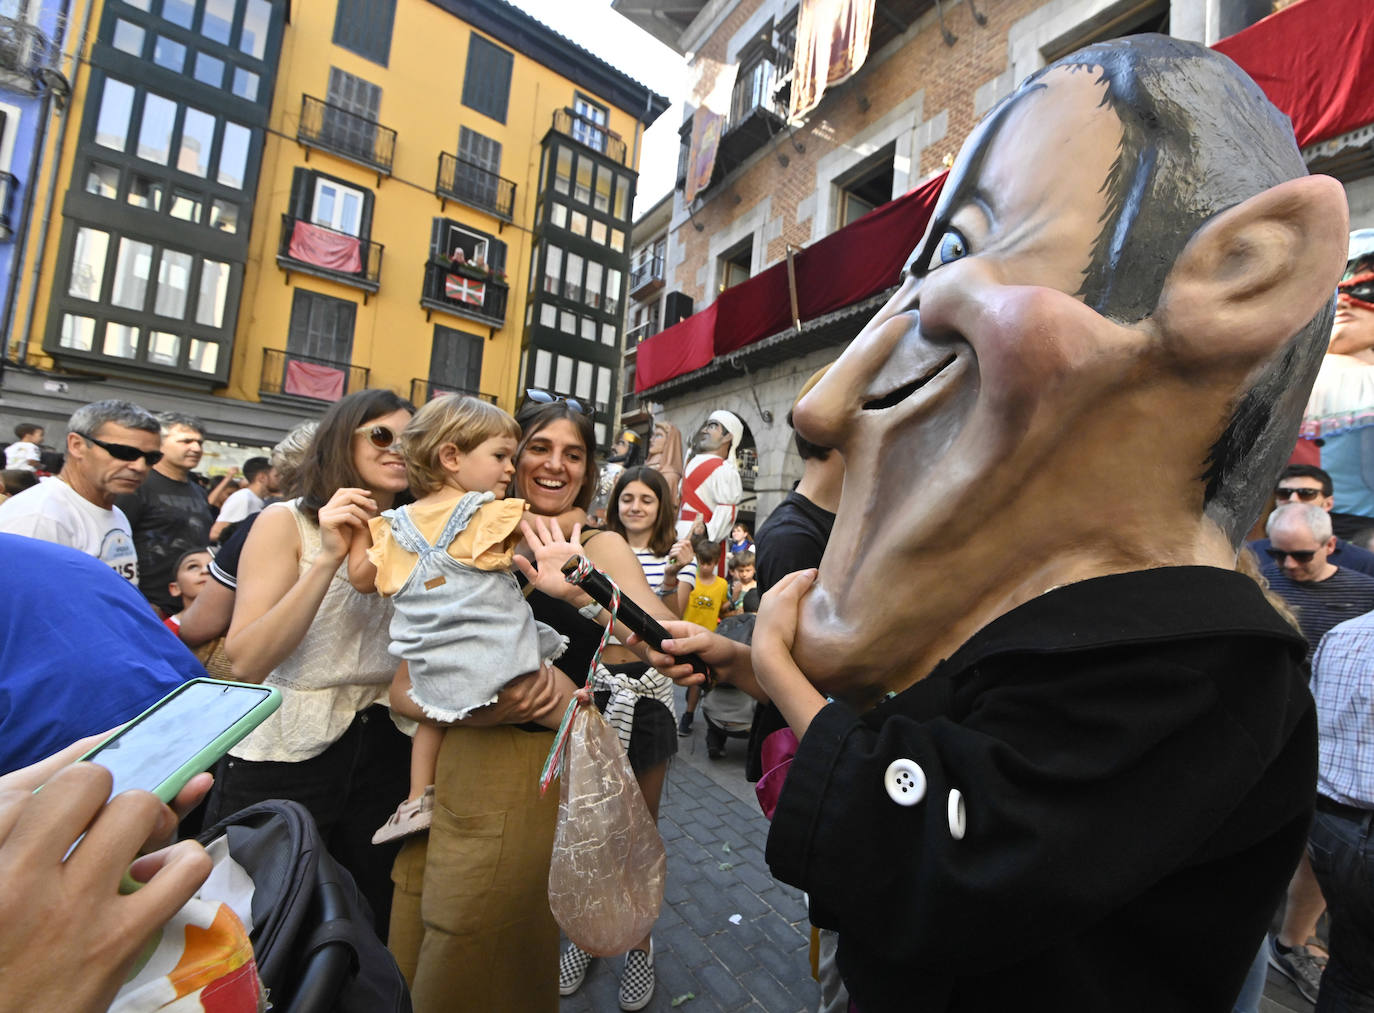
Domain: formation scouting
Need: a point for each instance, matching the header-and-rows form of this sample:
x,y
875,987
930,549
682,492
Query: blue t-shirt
x,y
81,651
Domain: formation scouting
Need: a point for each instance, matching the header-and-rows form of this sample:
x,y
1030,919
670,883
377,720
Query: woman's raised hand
x,y
551,550
347,511
679,555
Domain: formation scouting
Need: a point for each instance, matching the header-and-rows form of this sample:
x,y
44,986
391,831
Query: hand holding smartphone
x,y
184,733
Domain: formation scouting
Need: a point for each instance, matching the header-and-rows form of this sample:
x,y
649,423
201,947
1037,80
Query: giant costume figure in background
x,y
1057,433
711,489
1340,411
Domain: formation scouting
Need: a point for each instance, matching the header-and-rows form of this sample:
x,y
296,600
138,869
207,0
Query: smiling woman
x,y
490,937
298,624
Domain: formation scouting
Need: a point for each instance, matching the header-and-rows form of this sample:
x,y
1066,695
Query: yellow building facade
x,y
263,215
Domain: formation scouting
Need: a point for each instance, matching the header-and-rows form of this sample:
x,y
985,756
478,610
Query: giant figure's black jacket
x,y
1137,758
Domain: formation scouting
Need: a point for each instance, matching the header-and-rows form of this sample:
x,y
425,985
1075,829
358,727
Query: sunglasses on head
x,y
381,437
544,397
124,452
1284,492
1303,557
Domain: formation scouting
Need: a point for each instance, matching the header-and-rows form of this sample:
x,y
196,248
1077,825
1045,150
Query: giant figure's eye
x,y
951,247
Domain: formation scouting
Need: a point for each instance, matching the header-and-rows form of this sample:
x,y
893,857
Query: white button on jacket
x,y
905,782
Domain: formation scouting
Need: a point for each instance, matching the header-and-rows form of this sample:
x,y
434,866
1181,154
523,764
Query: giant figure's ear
x,y
1252,276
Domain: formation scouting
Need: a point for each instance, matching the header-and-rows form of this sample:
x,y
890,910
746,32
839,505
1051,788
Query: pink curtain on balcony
x,y
309,379
326,248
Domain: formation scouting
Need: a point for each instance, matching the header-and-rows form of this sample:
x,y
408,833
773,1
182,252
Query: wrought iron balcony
x,y
327,253
347,134
646,278
465,291
27,56
287,374
640,333
9,183
427,390
594,135
469,183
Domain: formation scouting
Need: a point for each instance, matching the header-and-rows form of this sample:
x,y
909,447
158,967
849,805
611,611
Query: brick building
x,y
932,71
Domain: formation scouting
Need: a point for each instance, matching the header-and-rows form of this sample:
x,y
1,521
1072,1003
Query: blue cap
x,y
1361,245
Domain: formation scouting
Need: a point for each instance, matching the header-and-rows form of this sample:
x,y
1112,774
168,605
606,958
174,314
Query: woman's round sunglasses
x,y
381,437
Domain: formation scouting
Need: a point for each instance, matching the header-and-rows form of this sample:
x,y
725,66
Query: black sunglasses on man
x,y
124,452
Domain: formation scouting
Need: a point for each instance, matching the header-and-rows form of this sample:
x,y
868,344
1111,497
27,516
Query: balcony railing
x,y
640,333
304,376
345,133
469,183
465,291
328,253
594,135
754,90
427,390
646,278
8,184
25,54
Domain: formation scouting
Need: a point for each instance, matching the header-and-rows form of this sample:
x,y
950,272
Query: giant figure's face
x,y
987,393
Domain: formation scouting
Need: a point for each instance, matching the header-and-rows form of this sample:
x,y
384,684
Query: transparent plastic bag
x,y
606,878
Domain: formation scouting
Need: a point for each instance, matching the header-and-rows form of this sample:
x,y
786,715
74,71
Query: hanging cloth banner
x,y
832,44
709,122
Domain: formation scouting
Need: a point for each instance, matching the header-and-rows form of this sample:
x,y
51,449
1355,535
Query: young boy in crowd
x,y
744,594
700,596
191,573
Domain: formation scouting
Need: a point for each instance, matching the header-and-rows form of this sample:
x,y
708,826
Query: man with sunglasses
x,y
1322,594
1306,483
111,448
1340,412
169,513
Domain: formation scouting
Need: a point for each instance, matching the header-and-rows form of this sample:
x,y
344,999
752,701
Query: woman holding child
x,y
470,916
298,625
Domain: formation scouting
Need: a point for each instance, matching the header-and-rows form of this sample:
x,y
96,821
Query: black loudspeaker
x,y
677,306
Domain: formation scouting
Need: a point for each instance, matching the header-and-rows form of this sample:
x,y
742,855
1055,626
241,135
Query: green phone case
x,y
206,757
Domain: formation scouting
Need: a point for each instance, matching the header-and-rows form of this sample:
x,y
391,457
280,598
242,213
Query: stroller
x,y
312,931
729,712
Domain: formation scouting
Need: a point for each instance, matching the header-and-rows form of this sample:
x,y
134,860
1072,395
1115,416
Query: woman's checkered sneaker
x,y
637,983
572,969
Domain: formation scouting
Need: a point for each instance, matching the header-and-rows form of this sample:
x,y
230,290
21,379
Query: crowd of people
x,y
382,535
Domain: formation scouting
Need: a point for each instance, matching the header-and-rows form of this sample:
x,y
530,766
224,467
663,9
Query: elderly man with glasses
x,y
1306,483
111,448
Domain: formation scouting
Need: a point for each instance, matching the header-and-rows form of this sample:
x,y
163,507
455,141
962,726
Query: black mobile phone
x,y
639,622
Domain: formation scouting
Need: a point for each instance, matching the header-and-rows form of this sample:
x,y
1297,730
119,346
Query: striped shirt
x,y
654,567
1343,685
1321,604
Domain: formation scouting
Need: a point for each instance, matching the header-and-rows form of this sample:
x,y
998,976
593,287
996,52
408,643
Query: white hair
x,y
1313,517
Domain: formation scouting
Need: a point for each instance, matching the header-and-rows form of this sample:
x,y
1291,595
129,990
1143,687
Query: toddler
x,y
460,622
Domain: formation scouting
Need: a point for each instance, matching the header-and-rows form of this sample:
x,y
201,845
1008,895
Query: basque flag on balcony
x,y
465,289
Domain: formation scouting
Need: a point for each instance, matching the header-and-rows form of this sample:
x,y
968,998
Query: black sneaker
x,y
637,983
684,724
1297,964
572,969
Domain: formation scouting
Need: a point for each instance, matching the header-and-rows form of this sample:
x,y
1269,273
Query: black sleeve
x,y
227,558
131,503
786,551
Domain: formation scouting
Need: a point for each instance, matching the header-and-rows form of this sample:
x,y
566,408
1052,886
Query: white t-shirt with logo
x,y
55,512
23,456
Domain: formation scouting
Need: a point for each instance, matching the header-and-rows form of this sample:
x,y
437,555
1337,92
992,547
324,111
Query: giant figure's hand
x,y
775,631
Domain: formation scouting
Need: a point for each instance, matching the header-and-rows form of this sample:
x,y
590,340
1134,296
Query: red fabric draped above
x,y
847,266
1315,61
309,379
322,247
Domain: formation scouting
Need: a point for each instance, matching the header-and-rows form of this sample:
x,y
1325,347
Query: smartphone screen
x,y
183,725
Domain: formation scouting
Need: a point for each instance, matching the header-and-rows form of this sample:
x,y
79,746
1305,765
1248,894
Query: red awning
x,y
846,267
1315,61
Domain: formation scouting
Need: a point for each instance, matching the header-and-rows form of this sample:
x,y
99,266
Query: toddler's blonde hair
x,y
466,422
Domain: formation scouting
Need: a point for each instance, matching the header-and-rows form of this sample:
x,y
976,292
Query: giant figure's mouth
x,y
903,392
